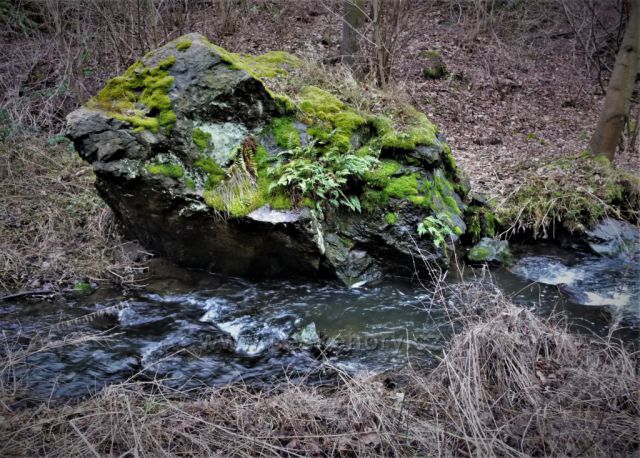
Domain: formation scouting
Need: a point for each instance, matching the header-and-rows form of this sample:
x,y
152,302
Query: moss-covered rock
x,y
490,250
236,163
434,66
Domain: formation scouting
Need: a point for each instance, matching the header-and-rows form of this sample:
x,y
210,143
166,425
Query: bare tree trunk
x,y
353,19
616,103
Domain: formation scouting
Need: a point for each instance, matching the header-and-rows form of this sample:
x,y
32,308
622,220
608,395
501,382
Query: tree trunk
x,y
618,98
353,20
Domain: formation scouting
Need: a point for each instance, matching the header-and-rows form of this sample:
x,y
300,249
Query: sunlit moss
x,y
268,65
381,175
140,97
167,170
402,187
391,218
405,130
183,45
215,174
201,138
285,133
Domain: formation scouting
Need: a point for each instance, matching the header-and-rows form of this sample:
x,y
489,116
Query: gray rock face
x,y
146,163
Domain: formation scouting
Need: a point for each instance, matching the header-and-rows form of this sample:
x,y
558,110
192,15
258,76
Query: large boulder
x,y
228,162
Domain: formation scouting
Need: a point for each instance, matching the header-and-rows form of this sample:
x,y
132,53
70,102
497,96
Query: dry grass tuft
x,y
53,226
514,385
508,384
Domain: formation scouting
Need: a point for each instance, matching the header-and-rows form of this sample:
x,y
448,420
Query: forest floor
x,y
514,97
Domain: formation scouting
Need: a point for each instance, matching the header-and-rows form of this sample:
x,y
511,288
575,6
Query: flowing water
x,y
193,329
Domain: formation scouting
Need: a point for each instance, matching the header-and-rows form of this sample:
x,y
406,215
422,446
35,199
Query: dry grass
x,y
54,229
508,384
513,385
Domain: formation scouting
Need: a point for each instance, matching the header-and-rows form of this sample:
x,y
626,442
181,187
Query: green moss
x,y
284,104
189,184
431,53
332,121
140,97
402,187
319,103
201,138
435,194
183,45
269,65
285,133
215,173
373,200
380,176
481,223
443,190
479,254
261,157
167,170
208,165
280,201
391,218
82,288
410,129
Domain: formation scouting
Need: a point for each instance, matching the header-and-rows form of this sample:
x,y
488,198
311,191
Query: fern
x,y
439,228
308,172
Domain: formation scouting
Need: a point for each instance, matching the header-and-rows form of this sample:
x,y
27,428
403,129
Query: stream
x,y
194,329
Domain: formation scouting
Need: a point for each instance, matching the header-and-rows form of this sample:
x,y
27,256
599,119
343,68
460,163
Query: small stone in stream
x,y
308,335
490,250
82,288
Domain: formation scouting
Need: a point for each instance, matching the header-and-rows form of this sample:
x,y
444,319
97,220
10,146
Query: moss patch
x,y
268,65
381,175
573,193
284,132
405,130
201,138
479,254
167,170
481,222
140,97
214,173
402,187
183,45
391,218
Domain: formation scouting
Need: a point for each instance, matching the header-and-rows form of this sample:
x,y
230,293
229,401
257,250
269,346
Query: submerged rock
x,y
204,163
490,250
308,335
